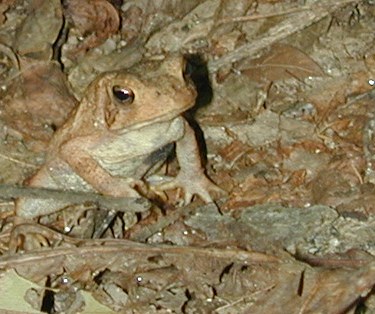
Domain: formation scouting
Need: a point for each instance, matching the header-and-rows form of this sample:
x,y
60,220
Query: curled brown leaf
x,y
95,19
282,62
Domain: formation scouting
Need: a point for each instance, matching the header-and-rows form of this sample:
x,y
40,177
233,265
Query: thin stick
x,y
76,197
255,17
96,247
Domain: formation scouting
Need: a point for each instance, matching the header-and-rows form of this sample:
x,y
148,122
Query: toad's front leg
x,y
73,169
191,177
75,153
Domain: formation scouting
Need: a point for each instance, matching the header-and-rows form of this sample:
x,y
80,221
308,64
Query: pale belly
x,y
133,153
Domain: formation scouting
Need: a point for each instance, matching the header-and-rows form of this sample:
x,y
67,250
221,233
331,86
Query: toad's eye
x,y
122,94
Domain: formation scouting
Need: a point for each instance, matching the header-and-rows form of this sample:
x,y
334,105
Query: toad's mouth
x,y
171,115
163,118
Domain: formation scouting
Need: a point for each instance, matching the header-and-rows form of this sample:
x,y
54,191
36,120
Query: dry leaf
x,y
282,62
12,292
95,19
40,29
38,101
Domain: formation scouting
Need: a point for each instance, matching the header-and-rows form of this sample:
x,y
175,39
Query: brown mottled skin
x,y
106,144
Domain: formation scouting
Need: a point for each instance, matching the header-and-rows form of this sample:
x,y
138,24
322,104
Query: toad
x,y
124,127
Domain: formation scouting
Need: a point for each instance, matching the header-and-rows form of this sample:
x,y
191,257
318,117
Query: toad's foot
x,y
193,184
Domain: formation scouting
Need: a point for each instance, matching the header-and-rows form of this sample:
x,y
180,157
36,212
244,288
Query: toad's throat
x,y
171,116
132,148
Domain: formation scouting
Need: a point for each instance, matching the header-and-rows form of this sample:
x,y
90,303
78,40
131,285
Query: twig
x,y
333,262
255,17
16,161
105,247
76,197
